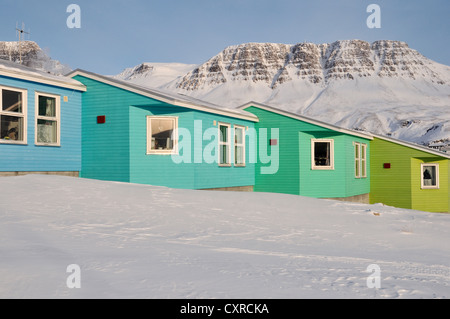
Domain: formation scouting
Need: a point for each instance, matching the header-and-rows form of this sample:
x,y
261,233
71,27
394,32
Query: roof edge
x,y
269,108
34,76
412,145
157,95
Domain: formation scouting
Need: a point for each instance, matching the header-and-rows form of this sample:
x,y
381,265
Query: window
x,y
429,176
47,119
162,135
322,154
239,146
224,144
363,160
360,160
13,116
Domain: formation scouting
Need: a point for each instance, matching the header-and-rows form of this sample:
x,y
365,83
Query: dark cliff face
x,y
276,64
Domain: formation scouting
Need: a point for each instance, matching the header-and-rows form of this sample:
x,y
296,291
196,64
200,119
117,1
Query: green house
x,y
299,155
408,175
135,134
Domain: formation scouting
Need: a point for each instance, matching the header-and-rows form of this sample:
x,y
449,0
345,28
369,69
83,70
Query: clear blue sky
x,y
119,34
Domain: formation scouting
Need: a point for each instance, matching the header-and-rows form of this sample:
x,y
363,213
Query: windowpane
x,y
239,155
429,175
238,135
363,169
162,131
12,101
224,133
47,106
322,153
357,168
47,131
224,149
11,128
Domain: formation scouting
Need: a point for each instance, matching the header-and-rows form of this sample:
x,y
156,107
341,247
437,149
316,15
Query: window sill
x,y
429,187
239,165
324,168
162,153
44,144
9,142
224,165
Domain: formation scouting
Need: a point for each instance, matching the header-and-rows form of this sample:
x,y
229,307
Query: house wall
x,y
432,200
105,147
339,182
117,149
66,158
295,174
189,169
400,185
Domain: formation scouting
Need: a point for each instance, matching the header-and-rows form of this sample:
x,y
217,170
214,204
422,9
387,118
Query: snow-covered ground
x,y
139,241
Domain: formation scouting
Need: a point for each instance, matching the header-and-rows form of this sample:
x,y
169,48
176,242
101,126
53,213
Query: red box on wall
x,y
101,119
387,165
273,141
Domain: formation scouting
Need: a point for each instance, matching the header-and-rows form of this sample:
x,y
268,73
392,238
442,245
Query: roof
x,y
18,71
307,119
413,145
168,97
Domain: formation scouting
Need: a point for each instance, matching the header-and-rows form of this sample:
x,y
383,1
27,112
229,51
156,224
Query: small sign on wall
x,y
101,119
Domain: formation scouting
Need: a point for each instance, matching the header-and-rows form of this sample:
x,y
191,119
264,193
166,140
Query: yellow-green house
x,y
408,175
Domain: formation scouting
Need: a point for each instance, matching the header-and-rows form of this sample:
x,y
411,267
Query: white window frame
x,y
361,159
228,144
22,115
239,127
174,150
422,186
357,168
363,151
313,163
56,118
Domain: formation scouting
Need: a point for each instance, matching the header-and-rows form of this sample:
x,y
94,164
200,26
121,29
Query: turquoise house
x,y
140,135
40,120
315,159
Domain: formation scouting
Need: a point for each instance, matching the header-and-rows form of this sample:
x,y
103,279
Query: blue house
x,y
40,120
140,135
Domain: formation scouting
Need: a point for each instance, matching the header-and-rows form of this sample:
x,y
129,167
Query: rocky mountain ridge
x,y
276,64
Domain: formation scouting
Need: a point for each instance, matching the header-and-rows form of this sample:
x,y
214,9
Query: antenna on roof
x,y
20,32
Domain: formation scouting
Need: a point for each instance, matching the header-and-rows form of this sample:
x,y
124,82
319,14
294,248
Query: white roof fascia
x,y
413,145
165,97
307,120
41,78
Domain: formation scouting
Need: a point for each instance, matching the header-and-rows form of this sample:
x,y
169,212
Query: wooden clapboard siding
x,y
117,149
295,174
31,157
400,185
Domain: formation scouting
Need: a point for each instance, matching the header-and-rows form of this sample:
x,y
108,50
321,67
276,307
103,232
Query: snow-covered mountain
x,y
155,74
383,87
32,56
